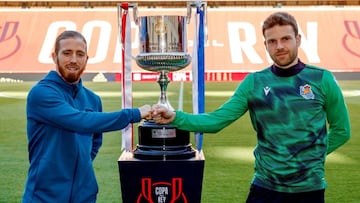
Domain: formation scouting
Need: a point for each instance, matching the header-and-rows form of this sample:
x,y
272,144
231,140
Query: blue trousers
x,y
261,195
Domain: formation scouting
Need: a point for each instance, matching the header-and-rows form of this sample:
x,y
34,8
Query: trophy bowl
x,y
163,43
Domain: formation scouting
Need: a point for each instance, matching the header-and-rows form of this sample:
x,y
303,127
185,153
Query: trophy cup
x,y
163,46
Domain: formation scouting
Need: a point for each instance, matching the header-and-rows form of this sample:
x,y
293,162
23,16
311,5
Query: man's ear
x,y
265,46
54,57
298,40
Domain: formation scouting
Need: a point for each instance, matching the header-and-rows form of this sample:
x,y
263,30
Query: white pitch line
x,y
351,93
181,96
137,94
246,154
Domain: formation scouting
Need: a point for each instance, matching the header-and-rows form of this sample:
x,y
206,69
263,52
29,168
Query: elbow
x,y
348,135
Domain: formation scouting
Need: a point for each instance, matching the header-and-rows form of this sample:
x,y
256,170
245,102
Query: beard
x,y
285,61
69,76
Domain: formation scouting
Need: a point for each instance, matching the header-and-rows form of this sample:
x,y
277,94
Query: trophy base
x,y
162,142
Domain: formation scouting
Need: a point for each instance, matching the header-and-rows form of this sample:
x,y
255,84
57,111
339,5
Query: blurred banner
x,y
330,39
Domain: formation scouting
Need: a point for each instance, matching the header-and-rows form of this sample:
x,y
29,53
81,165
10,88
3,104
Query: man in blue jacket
x,y
65,123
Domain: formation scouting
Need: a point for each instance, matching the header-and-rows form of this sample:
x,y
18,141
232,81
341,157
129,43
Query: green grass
x,y
228,163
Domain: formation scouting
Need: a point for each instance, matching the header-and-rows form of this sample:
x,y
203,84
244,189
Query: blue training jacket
x,y
64,126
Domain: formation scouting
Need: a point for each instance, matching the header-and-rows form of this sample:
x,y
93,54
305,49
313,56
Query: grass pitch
x,y
228,154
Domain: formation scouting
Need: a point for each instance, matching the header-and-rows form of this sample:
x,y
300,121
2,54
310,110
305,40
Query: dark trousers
x,y
261,195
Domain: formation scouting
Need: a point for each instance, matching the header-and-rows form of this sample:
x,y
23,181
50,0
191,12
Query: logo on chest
x,y
266,90
306,92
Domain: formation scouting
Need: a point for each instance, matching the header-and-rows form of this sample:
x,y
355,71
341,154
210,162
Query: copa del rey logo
x,y
162,192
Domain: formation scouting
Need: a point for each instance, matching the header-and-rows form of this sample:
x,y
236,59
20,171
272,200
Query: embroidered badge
x,y
306,92
266,90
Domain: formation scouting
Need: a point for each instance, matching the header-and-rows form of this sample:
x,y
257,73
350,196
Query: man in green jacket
x,y
290,104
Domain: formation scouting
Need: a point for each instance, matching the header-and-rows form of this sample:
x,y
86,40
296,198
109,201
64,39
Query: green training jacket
x,y
299,115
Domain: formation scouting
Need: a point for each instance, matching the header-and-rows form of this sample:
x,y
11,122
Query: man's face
x,y
282,45
71,59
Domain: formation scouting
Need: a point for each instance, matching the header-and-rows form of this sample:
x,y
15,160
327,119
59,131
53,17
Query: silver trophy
x,y
163,49
163,46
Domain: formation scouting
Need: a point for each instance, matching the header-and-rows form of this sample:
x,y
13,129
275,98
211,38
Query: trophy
x,y
163,46
164,167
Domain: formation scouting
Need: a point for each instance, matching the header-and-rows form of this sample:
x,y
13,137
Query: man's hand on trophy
x,y
146,112
162,115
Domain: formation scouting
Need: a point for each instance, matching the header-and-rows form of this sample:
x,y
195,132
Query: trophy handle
x,y
188,13
120,8
197,4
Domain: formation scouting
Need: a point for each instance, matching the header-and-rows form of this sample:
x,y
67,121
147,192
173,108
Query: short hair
x,y
66,35
280,18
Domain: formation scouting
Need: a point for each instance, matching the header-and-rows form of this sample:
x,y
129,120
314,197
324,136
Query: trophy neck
x,y
163,82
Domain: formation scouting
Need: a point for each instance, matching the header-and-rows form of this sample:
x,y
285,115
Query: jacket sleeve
x,y
48,105
212,122
97,137
337,113
96,144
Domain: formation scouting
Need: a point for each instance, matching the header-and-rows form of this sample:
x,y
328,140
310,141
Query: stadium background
x,y
229,163
234,46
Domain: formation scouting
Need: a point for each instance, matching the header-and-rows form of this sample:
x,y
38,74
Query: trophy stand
x,y
163,142
164,167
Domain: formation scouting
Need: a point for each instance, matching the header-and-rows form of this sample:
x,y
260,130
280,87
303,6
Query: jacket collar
x,y
73,89
293,70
